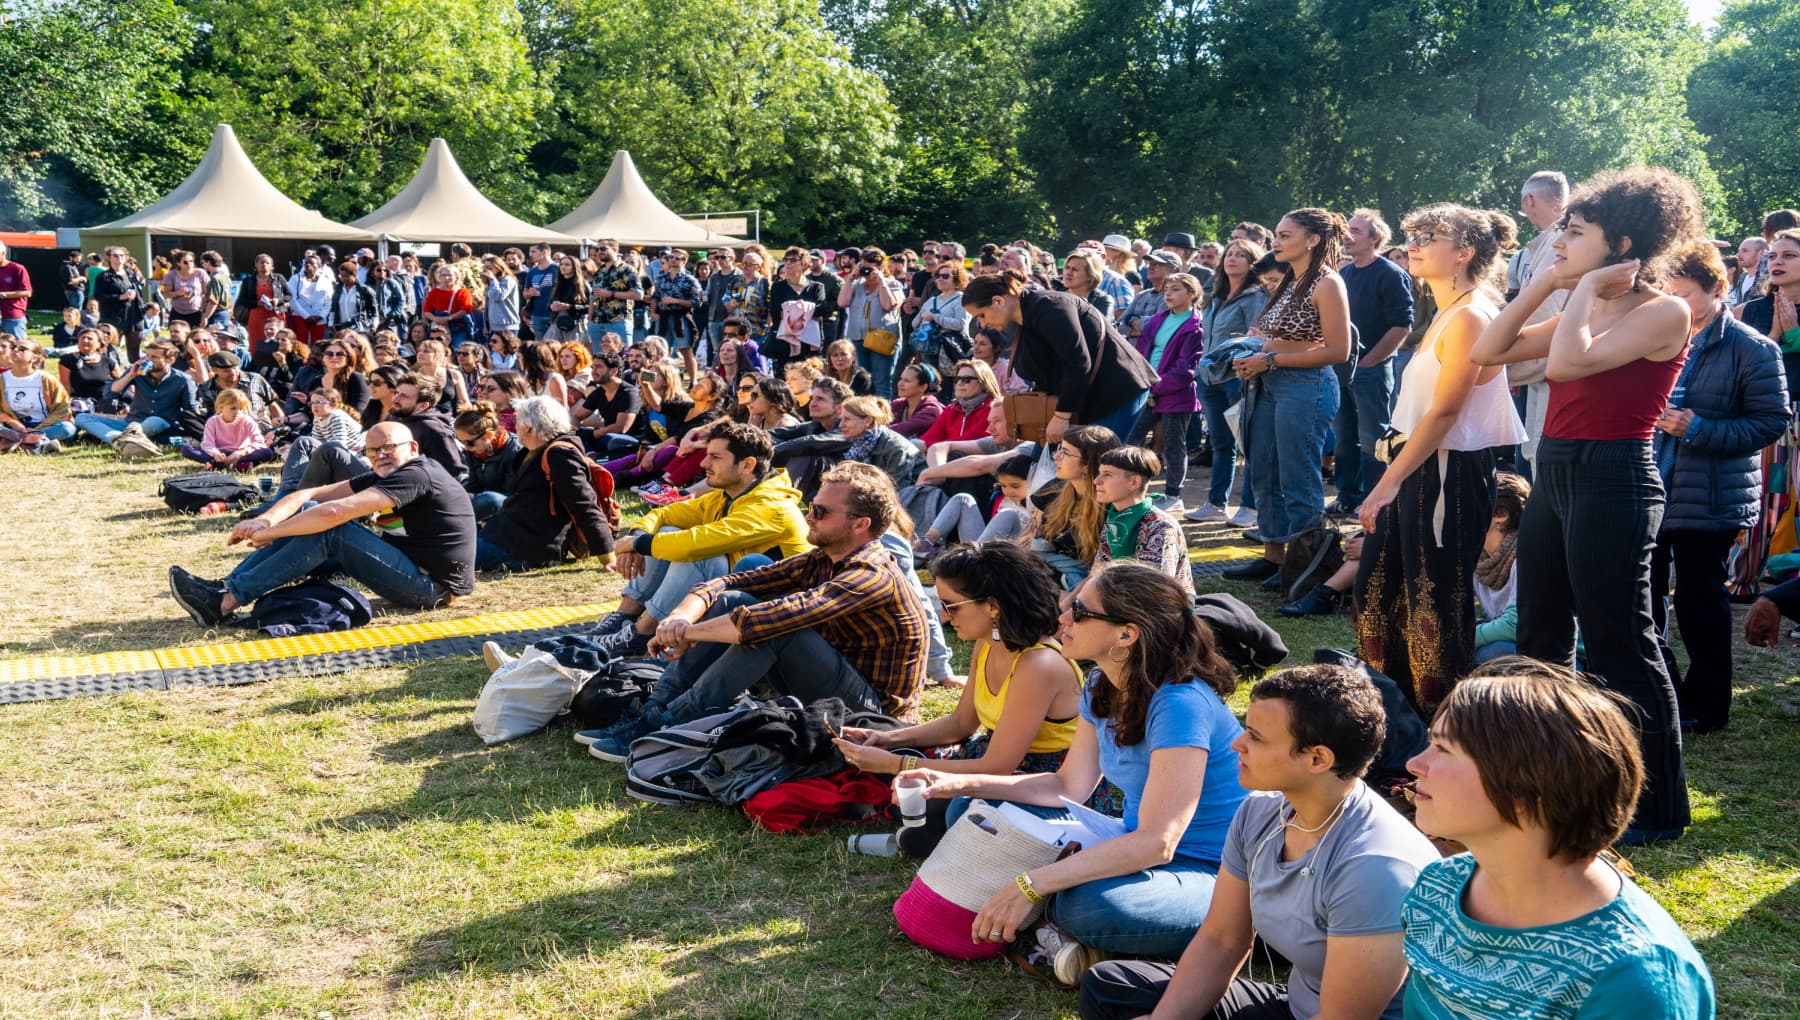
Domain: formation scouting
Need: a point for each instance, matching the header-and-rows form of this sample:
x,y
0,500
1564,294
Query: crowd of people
x,y
1538,445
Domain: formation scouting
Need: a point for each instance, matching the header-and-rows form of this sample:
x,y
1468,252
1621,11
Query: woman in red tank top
x,y
1590,527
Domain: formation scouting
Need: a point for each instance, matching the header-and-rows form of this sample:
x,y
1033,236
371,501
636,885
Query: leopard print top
x,y
1294,317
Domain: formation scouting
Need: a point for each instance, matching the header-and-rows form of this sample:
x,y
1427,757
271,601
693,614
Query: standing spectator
x,y
184,287
118,295
15,294
871,301
724,292
215,305
830,317
74,281
541,281
448,303
1427,518
262,299
391,311
1744,288
502,288
1305,331
1542,199
678,295
1729,402
1381,309
796,302
943,311
1158,266
353,304
1122,259
309,304
612,291
1586,544
1172,344
1183,246
1082,274
1232,307
1068,349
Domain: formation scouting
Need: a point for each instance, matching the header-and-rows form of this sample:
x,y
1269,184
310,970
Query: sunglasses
x,y
335,354
968,378
946,276
747,388
1079,612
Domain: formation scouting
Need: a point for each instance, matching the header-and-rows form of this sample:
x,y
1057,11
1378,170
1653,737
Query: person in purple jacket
x,y
1171,342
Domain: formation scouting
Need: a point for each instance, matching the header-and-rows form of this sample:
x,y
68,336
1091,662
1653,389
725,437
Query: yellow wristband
x,y
910,761
1025,886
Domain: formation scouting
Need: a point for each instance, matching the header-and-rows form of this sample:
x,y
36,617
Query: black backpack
x,y
189,493
313,606
606,694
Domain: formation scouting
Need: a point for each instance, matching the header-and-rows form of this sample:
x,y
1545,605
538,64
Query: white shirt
x,y
25,396
310,299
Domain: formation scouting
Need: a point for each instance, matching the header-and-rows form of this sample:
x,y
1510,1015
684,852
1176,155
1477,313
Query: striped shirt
x,y
861,605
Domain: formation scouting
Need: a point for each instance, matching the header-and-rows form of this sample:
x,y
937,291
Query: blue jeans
x,y
1123,417
349,549
540,324
493,556
487,505
620,329
14,326
1214,401
664,583
881,368
106,428
1287,443
709,677
1494,650
1072,570
937,656
1153,913
1360,421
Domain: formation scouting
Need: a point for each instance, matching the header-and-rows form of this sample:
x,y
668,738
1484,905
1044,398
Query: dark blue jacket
x,y
1734,384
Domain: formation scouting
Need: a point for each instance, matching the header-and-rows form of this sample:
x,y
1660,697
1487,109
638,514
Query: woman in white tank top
x,y
1428,515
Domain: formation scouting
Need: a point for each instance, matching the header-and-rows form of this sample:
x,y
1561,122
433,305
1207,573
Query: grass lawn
x,y
346,847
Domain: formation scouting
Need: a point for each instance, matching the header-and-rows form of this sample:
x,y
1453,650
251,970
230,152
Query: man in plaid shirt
x,y
839,621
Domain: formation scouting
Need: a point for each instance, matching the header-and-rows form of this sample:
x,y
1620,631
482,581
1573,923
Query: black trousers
x,y
1584,555
1703,612
1127,989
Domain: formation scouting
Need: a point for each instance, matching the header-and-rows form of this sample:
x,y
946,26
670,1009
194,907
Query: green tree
x,y
339,98
88,129
1745,98
722,103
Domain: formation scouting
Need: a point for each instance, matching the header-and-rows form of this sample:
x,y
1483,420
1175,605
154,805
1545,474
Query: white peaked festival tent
x,y
624,209
439,204
225,196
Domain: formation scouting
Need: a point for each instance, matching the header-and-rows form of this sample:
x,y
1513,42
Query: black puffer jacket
x,y
494,472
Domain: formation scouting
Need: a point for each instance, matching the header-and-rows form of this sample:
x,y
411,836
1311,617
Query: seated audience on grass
x,y
33,403
339,368
1133,528
415,406
1070,520
961,519
420,553
1154,723
864,422
805,465
332,422
1018,711
227,373
282,366
915,405
89,371
840,364
1537,774
575,362
675,461
63,334
159,395
1497,571
432,361
976,458
501,389
382,382
839,621
765,402
233,439
800,376
1315,862
473,364
503,350
748,510
993,348
608,415
551,510
493,452
974,393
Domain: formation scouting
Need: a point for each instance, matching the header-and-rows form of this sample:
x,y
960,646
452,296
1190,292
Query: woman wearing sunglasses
x,y
337,369
1154,723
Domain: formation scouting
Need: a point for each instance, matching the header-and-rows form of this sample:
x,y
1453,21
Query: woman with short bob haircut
x,y
1537,773
1154,723
1585,545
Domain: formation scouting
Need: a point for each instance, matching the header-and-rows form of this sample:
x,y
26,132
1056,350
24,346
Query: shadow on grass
x,y
1753,983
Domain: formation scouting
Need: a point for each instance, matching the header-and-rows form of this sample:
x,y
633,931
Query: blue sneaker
x,y
616,746
586,737
613,621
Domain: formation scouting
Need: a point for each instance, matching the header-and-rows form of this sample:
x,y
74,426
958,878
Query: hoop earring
x,y
1113,657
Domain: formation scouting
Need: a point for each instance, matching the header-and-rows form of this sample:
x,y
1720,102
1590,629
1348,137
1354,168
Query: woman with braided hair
x,y
1428,516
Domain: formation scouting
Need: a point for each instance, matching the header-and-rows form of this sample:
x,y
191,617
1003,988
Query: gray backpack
x,y
664,767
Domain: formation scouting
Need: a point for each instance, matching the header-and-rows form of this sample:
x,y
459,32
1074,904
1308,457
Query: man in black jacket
x,y
353,304
415,406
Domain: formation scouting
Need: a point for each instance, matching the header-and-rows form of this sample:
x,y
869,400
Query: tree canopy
x,y
891,120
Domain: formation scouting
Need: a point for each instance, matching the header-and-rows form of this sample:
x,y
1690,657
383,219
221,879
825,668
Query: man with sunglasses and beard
x,y
839,621
420,553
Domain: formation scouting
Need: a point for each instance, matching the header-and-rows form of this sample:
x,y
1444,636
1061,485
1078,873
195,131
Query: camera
x,y
866,270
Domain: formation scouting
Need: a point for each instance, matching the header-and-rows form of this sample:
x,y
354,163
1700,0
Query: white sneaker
x,y
1205,513
494,655
1244,518
1072,960
1174,508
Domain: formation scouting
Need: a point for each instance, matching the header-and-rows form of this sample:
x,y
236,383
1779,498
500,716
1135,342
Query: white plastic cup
x,y
910,792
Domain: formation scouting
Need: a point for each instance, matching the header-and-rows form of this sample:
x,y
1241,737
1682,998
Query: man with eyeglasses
x,y
839,621
420,553
831,318
611,294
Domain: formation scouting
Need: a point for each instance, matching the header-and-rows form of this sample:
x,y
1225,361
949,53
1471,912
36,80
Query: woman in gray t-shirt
x,y
1316,863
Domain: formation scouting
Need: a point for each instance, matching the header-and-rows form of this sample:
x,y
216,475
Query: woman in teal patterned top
x,y
1537,774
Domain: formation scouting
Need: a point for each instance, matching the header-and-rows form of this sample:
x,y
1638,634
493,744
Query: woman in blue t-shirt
x,y
1154,723
1537,774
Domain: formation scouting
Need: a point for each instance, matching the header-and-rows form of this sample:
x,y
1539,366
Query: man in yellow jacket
x,y
751,516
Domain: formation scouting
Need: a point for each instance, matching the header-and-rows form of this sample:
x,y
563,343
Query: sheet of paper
x,y
1100,827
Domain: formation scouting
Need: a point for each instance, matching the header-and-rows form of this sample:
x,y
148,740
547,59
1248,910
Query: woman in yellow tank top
x,y
1019,710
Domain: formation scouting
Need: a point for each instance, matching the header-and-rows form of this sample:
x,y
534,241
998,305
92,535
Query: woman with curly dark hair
x,y
1154,723
1290,385
1585,545
1428,516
